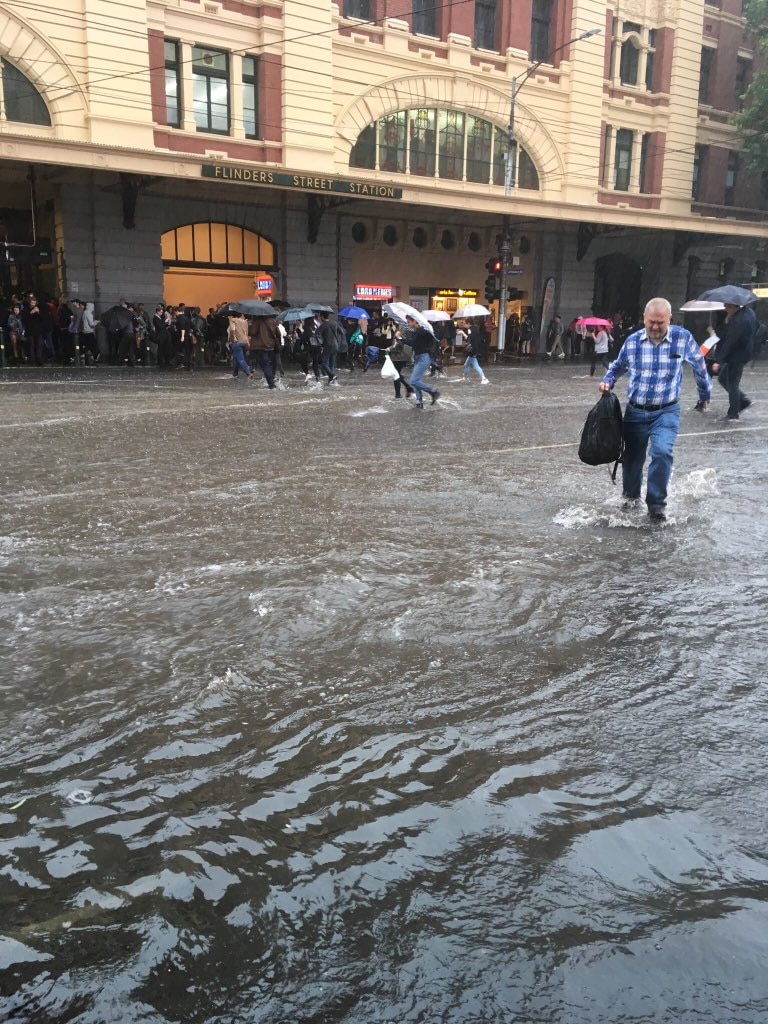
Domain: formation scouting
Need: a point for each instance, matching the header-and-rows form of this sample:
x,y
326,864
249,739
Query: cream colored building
x,y
192,150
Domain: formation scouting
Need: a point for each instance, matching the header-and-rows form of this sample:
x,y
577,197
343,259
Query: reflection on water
x,y
316,708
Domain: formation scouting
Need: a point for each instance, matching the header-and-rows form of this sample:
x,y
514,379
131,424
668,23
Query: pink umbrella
x,y
593,321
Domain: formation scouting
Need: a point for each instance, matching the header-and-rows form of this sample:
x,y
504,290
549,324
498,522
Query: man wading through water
x,y
654,358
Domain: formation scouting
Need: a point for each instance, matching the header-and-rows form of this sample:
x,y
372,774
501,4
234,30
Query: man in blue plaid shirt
x,y
653,357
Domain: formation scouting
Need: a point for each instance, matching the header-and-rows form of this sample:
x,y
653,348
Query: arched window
x,y
455,145
20,101
224,245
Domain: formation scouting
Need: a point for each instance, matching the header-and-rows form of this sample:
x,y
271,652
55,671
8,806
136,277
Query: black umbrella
x,y
117,318
318,307
252,307
731,294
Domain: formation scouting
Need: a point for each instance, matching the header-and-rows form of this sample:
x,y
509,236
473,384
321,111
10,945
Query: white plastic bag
x,y
389,371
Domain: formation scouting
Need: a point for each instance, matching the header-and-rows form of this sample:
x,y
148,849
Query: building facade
x,y
204,150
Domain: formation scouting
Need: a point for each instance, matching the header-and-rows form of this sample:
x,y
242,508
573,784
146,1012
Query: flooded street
x,y
316,708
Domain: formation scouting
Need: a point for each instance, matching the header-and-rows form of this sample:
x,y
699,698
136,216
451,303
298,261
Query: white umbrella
x,y
701,306
436,315
473,309
400,310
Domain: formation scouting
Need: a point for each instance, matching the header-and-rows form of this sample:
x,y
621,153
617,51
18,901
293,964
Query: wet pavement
x,y
317,708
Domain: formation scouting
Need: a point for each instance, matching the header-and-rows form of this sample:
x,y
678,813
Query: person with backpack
x,y
653,358
264,337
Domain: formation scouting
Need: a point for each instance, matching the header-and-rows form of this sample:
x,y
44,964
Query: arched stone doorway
x,y
207,264
618,280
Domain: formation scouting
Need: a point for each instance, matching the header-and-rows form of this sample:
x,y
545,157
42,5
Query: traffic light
x,y
493,266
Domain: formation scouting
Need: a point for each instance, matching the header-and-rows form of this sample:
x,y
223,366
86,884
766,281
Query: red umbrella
x,y
593,321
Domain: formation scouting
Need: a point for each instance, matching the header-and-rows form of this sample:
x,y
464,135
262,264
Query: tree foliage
x,y
753,120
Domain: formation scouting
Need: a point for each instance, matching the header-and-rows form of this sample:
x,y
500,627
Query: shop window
x,y
172,84
389,235
20,100
251,97
424,17
419,238
457,146
622,160
210,90
541,19
705,73
358,9
731,179
485,24
359,232
448,239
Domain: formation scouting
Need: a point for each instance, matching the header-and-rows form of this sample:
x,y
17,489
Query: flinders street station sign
x,y
300,182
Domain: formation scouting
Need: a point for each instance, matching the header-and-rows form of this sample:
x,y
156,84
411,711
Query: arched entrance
x,y
618,279
207,264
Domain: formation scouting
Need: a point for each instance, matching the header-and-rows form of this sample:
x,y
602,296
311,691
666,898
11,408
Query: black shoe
x,y
630,504
656,514
729,417
434,397
745,404
419,405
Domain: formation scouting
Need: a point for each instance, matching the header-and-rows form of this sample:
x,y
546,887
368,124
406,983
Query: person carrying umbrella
x,y
734,351
422,342
264,338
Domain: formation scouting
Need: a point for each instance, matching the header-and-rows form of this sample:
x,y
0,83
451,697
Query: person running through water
x,y
422,342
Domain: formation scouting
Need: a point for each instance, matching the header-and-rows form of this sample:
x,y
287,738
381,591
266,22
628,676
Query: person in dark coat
x,y
734,351
422,342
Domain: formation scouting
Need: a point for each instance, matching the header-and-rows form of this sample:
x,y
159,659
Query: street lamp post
x,y
510,172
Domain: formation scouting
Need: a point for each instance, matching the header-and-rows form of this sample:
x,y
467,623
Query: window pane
x,y
201,236
500,149
184,243
485,24
219,106
357,9
168,246
392,143
200,102
479,140
630,59
364,150
424,17
422,142
623,160
218,243
250,120
23,103
527,175
171,97
266,252
234,244
540,21
251,248
451,144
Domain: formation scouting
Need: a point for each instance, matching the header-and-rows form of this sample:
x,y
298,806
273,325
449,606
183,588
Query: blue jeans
x,y
471,363
329,364
660,428
420,367
730,378
238,358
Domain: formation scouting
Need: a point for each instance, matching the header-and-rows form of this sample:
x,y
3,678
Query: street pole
x,y
505,248
510,171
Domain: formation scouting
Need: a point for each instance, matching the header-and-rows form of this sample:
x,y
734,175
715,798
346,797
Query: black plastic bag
x,y
602,439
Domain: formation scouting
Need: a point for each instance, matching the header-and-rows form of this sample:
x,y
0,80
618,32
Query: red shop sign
x,y
374,292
